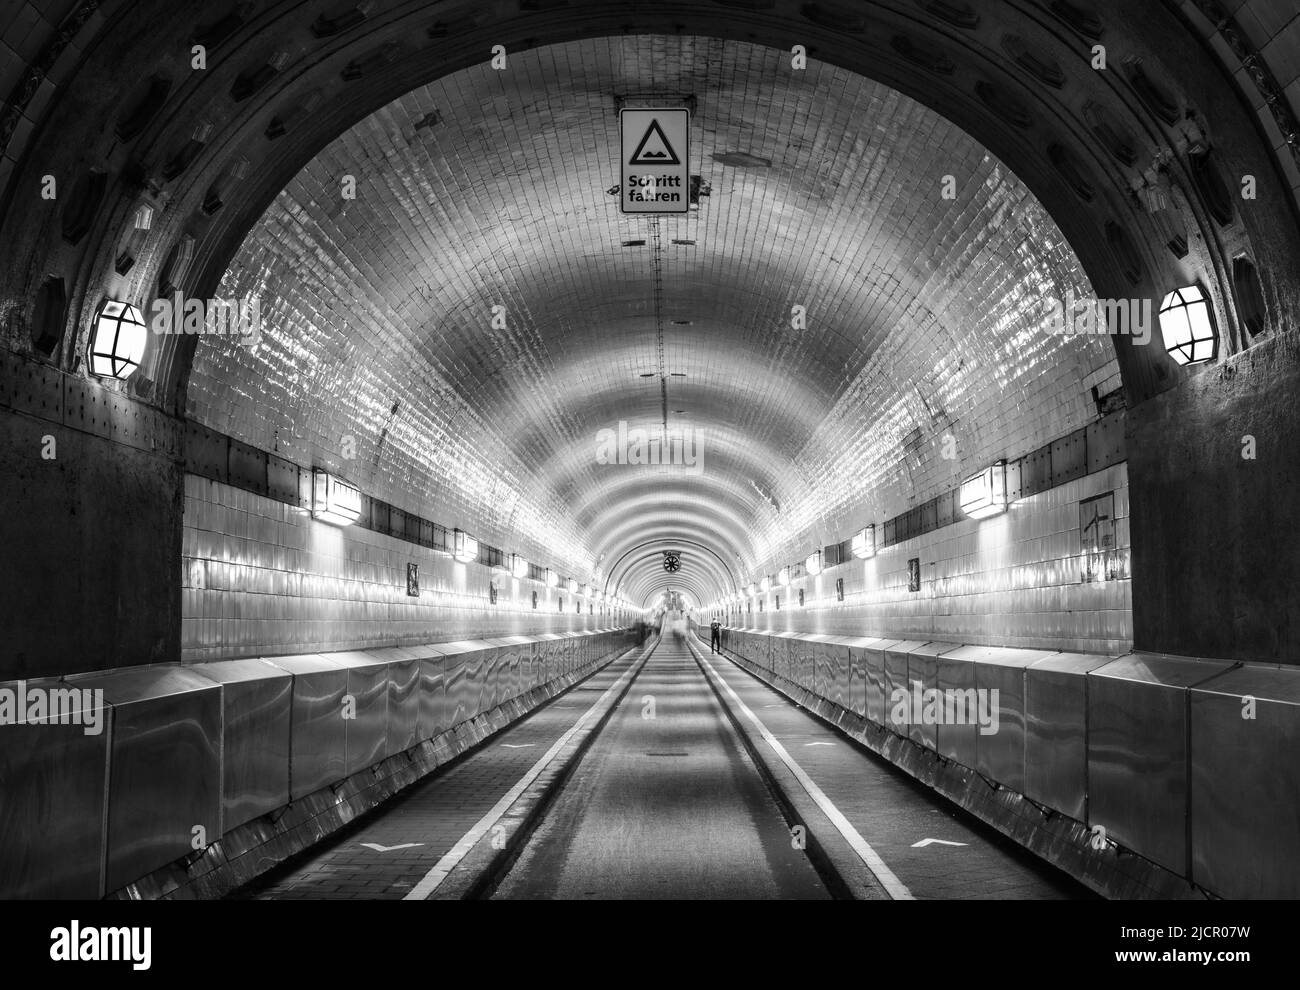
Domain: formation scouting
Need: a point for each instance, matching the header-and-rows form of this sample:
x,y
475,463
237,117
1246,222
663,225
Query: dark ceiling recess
x,y
49,315
960,14
1125,253
82,205
340,20
216,32
149,101
1209,183
1156,99
741,159
1084,21
1250,299
929,58
1039,66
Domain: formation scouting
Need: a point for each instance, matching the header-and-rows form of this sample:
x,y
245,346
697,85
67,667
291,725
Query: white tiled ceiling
x,y
490,188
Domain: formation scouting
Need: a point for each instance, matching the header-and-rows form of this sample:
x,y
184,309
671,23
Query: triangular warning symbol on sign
x,y
654,148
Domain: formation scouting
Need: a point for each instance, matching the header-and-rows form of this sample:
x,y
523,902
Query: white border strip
x,y
895,887
434,878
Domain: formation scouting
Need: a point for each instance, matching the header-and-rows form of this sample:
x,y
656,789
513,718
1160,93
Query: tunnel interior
x,y
898,397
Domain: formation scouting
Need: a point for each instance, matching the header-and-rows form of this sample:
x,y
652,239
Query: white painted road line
x,y
869,856
434,878
387,849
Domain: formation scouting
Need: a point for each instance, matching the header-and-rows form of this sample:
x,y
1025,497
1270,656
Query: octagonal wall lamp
x,y
117,340
1187,326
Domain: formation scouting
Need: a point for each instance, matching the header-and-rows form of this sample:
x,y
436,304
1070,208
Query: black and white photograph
x,y
646,462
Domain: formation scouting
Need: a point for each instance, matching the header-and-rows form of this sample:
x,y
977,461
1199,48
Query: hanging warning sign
x,y
655,160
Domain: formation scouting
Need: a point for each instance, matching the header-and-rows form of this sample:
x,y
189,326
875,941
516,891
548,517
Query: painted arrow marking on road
x,y
387,849
516,746
940,842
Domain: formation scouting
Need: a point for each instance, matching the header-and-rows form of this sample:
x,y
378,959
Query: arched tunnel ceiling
x,y
490,188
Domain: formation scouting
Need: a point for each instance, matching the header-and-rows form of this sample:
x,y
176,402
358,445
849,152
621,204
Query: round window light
x,y
1186,326
117,339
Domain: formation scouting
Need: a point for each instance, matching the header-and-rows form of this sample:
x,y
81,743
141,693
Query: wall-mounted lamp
x,y
334,501
552,579
117,339
766,584
1187,326
813,565
985,494
783,576
464,546
518,566
864,543
572,586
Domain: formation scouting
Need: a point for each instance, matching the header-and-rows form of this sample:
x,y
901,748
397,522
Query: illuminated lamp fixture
x,y
766,584
783,576
518,566
117,339
864,543
334,501
572,586
552,579
985,494
464,546
753,590
813,565
1187,326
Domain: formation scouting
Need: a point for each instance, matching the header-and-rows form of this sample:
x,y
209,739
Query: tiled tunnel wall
x,y
262,578
1019,579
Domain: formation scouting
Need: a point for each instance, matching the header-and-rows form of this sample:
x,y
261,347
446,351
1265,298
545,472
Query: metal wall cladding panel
x,y
1036,471
435,710
489,679
462,668
857,648
839,669
1070,457
256,707
318,740
548,645
403,705
247,467
946,509
516,660
365,736
786,647
282,479
871,654
1106,442
1245,800
923,669
896,679
1056,731
804,652
955,735
205,452
1137,752
1000,678
822,677
52,803
165,766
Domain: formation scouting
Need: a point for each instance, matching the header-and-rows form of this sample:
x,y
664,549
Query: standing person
x,y
715,630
